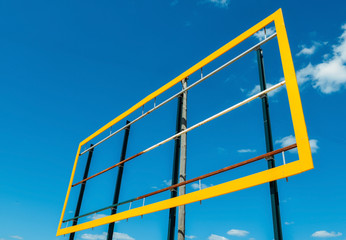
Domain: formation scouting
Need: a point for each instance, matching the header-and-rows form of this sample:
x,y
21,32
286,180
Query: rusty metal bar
x,y
263,156
107,169
190,128
221,170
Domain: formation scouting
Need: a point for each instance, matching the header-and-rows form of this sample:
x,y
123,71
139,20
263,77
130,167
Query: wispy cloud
x,y
285,141
238,233
307,50
216,237
122,236
103,236
190,236
257,89
330,75
260,35
285,200
196,186
246,150
89,236
289,223
289,140
220,3
313,145
168,182
16,237
325,234
97,216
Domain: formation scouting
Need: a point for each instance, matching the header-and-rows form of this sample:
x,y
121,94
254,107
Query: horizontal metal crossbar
x,y
100,210
187,130
184,90
263,156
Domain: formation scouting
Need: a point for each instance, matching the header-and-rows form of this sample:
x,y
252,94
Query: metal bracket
x,y
263,96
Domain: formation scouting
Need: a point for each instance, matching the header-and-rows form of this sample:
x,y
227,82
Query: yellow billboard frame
x,y
304,163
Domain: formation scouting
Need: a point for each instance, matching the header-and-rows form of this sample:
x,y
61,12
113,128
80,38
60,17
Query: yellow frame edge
x,y
304,163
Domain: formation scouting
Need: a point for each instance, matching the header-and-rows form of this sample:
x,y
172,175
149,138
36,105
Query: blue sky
x,y
68,68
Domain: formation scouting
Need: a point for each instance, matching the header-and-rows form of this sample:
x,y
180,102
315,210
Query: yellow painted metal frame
x,y
303,164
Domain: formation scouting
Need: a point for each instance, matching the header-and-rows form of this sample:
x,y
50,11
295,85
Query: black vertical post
x,y
175,172
119,178
82,188
274,195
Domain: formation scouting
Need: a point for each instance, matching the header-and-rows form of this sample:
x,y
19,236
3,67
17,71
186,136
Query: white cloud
x,y
103,236
313,145
220,3
289,140
190,236
216,237
237,232
330,75
122,236
340,49
196,186
307,50
89,236
260,35
97,216
168,182
257,89
246,150
16,237
285,141
304,74
289,223
325,234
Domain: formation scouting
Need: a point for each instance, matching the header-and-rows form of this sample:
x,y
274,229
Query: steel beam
x,y
274,194
119,178
81,192
175,171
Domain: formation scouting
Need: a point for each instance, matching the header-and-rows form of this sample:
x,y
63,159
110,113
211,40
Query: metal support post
x,y
81,192
182,175
175,172
119,178
274,195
